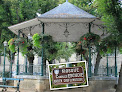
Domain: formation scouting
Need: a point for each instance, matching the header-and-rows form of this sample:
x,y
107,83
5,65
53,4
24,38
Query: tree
x,y
111,13
5,21
102,48
17,11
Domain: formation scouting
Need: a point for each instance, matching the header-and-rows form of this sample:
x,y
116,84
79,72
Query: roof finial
x,y
66,0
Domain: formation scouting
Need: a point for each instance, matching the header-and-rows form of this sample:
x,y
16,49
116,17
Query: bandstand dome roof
x,y
63,17
67,10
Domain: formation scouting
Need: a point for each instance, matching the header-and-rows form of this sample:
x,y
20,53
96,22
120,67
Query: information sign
x,y
68,75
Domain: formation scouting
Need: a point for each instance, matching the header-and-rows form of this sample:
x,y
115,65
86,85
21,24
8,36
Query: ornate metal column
x,y
26,61
17,67
115,63
11,66
89,64
42,73
5,44
81,54
107,66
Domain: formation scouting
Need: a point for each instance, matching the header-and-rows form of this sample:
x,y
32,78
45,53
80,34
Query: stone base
x,y
35,83
41,84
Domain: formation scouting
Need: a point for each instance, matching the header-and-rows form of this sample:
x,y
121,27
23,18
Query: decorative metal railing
x,y
36,70
102,71
31,70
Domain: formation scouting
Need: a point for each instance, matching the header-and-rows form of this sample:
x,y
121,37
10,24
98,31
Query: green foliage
x,y
53,50
108,44
36,40
79,50
12,45
46,38
5,21
89,38
15,42
22,45
120,49
111,12
16,11
65,51
39,39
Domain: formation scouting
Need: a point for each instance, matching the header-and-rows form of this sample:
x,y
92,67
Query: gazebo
x,y
65,23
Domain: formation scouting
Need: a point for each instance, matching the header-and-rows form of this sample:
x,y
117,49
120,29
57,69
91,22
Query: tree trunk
x,y
86,57
119,86
97,64
30,69
50,62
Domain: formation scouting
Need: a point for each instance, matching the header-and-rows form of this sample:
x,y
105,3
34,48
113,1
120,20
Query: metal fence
x,y
102,70
36,70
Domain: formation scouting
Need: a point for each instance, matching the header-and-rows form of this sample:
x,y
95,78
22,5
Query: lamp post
x,y
89,63
5,44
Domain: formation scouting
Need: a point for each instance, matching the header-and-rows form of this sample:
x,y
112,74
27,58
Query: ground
x,y
13,90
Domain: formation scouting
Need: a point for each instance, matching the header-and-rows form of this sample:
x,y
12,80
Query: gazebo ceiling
x,y
64,18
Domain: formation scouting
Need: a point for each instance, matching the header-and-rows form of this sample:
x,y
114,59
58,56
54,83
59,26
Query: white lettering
x,y
61,76
72,70
66,80
76,79
75,75
57,81
63,70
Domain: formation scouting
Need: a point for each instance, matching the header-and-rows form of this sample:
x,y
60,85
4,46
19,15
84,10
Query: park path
x,y
13,90
25,90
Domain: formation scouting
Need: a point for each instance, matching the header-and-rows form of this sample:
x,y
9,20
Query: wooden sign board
x,y
68,75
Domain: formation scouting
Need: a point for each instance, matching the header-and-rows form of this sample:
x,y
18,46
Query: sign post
x,y
60,75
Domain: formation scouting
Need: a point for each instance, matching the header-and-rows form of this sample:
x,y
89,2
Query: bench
x,y
5,86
